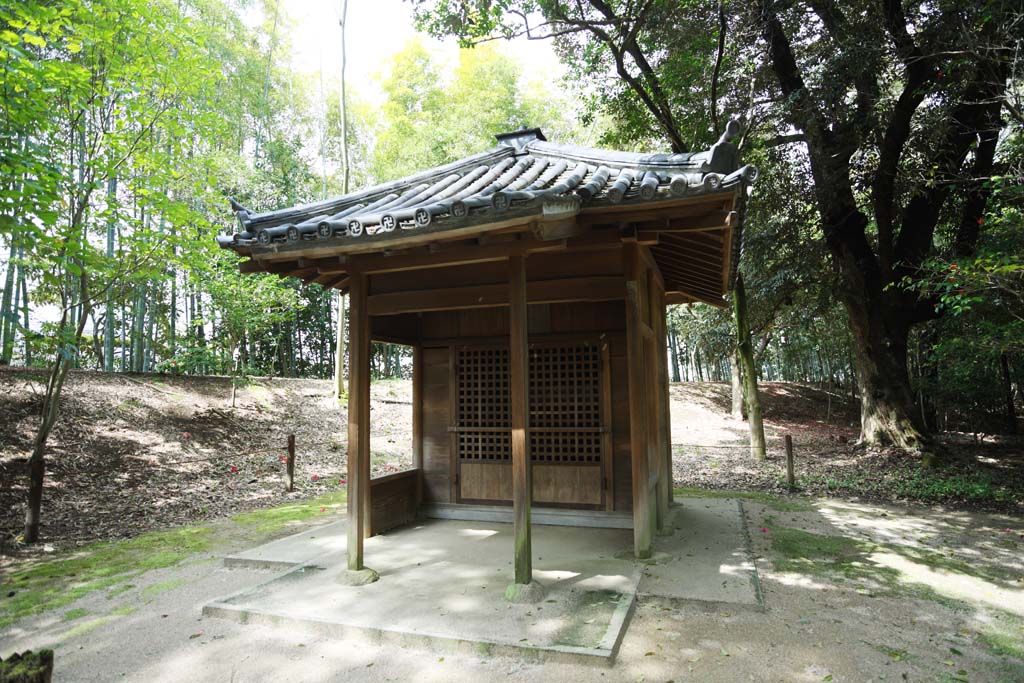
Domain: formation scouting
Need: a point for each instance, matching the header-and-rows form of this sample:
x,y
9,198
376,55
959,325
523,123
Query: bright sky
x,y
376,30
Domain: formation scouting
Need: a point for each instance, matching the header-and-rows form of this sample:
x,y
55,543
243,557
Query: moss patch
x,y
847,560
162,587
783,504
274,519
73,614
117,590
87,627
1004,635
58,582
124,610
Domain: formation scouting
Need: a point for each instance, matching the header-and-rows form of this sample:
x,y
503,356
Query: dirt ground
x,y
852,593
711,451
854,590
134,453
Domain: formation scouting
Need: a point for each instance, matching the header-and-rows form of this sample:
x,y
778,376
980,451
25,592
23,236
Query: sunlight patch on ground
x,y
953,584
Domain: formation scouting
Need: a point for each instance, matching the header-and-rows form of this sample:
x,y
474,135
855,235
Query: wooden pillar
x,y
518,378
662,419
637,402
666,404
417,420
358,420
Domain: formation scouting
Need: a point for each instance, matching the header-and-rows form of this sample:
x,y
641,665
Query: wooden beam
x,y
637,415
680,290
679,298
436,255
519,414
338,282
673,207
358,422
690,267
397,239
597,288
691,243
710,240
713,220
708,283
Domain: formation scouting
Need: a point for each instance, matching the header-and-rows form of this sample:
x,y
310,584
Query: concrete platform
x,y
442,583
706,559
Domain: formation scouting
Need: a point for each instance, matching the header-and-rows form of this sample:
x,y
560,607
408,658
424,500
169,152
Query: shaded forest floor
x,y
135,453
711,451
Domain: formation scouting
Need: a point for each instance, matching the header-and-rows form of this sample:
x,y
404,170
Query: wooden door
x,y
567,409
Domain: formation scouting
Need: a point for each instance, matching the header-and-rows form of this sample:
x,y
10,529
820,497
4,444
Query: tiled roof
x,y
524,175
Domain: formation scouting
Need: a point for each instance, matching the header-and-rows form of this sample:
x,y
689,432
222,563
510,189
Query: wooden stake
x,y
518,368
358,420
291,463
790,475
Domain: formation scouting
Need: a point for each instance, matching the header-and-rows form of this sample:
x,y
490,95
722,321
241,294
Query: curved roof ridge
x,y
302,212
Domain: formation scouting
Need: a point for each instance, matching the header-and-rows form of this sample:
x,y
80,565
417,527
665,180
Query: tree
x,y
97,91
897,112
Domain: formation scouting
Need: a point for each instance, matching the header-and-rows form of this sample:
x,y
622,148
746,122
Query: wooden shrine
x,y
531,281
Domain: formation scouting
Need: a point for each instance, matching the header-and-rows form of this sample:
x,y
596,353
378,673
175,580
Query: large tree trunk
x,y
737,385
745,351
887,415
880,313
673,345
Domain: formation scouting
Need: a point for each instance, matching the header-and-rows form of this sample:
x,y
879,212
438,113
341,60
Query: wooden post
x,y
660,404
291,463
518,368
637,401
417,420
358,420
790,475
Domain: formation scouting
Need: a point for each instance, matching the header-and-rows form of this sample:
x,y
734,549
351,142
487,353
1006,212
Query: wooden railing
x,y
393,500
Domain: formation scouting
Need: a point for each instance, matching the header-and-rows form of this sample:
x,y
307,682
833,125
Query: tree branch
x,y
718,67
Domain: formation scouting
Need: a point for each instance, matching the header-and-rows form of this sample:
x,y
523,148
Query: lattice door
x,y
564,404
484,432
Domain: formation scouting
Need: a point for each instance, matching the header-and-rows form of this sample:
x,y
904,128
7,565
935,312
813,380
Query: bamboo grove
x,y
127,125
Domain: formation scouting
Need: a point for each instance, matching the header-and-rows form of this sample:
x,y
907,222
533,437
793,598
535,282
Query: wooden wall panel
x,y
491,324
486,482
439,324
398,328
544,319
432,278
562,484
482,322
393,500
436,418
555,265
567,484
